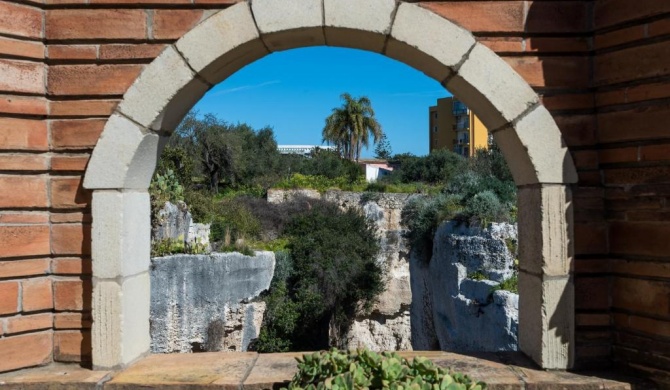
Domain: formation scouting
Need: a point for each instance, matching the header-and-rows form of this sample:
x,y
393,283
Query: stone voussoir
x,y
288,24
170,97
223,43
366,29
486,82
125,156
434,48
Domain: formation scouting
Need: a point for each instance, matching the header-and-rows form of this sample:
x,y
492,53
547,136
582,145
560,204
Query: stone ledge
x,y
251,371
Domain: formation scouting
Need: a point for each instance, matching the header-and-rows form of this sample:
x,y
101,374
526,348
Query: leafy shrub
x,y
172,246
485,207
322,183
422,215
234,222
510,284
279,321
436,168
164,188
368,370
477,275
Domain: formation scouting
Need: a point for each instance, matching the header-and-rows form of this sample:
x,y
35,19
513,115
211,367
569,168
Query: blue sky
x,y
295,90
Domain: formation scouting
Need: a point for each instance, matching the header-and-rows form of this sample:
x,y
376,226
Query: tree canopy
x,y
351,126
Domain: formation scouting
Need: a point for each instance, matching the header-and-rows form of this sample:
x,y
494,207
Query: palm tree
x,y
349,127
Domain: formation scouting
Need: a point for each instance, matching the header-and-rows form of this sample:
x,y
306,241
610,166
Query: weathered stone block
x,y
223,43
488,85
288,24
367,28
427,42
171,97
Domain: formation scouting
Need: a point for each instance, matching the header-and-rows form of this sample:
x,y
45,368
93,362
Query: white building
x,y
303,150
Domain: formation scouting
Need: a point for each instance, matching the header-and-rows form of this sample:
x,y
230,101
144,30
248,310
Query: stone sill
x,y
252,371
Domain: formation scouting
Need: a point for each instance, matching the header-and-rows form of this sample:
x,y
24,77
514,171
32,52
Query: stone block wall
x,y
602,68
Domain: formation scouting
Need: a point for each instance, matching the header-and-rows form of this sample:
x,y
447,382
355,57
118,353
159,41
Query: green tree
x,y
383,149
350,127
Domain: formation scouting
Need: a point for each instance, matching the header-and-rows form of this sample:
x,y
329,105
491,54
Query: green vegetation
x,y
171,246
510,284
330,273
363,369
478,275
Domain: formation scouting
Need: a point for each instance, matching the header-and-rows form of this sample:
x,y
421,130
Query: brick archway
x,y
125,157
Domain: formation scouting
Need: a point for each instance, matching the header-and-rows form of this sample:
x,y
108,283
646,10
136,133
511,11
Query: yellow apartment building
x,y
455,127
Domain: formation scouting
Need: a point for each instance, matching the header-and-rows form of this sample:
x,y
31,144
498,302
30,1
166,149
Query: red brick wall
x,y
602,67
632,84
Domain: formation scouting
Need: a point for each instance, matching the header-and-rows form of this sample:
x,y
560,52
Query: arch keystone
x,y
222,43
427,42
366,29
286,24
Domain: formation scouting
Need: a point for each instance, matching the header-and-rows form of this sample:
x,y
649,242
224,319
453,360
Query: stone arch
x,y
124,159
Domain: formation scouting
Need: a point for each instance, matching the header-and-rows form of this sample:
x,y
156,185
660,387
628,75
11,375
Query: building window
x,y
434,129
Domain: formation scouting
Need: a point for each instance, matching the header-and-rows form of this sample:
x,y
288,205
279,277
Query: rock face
x,y
387,327
175,222
454,308
203,302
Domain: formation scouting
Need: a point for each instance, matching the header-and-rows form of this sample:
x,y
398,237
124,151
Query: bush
x,y
436,168
422,216
368,370
164,188
485,207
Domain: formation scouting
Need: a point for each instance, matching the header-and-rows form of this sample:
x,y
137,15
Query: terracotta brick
x,y
23,191
557,17
23,134
637,203
648,216
592,293
21,76
69,80
483,16
75,108
641,296
502,44
71,266
650,326
16,268
591,266
72,346
619,155
134,2
68,192
641,268
608,98
71,239
21,105
563,72
72,52
23,162
655,152
217,1
590,238
659,27
28,350
645,175
76,134
36,294
81,24
72,321
70,217
130,52
647,92
633,63
572,101
65,2
172,24
640,239
24,241
556,45
611,12
72,294
642,123
20,48
618,37
577,130
20,20
23,217
592,319
585,159
30,323
69,163
9,297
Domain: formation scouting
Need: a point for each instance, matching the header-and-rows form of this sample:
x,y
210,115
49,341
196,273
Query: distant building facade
x,y
303,150
453,126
